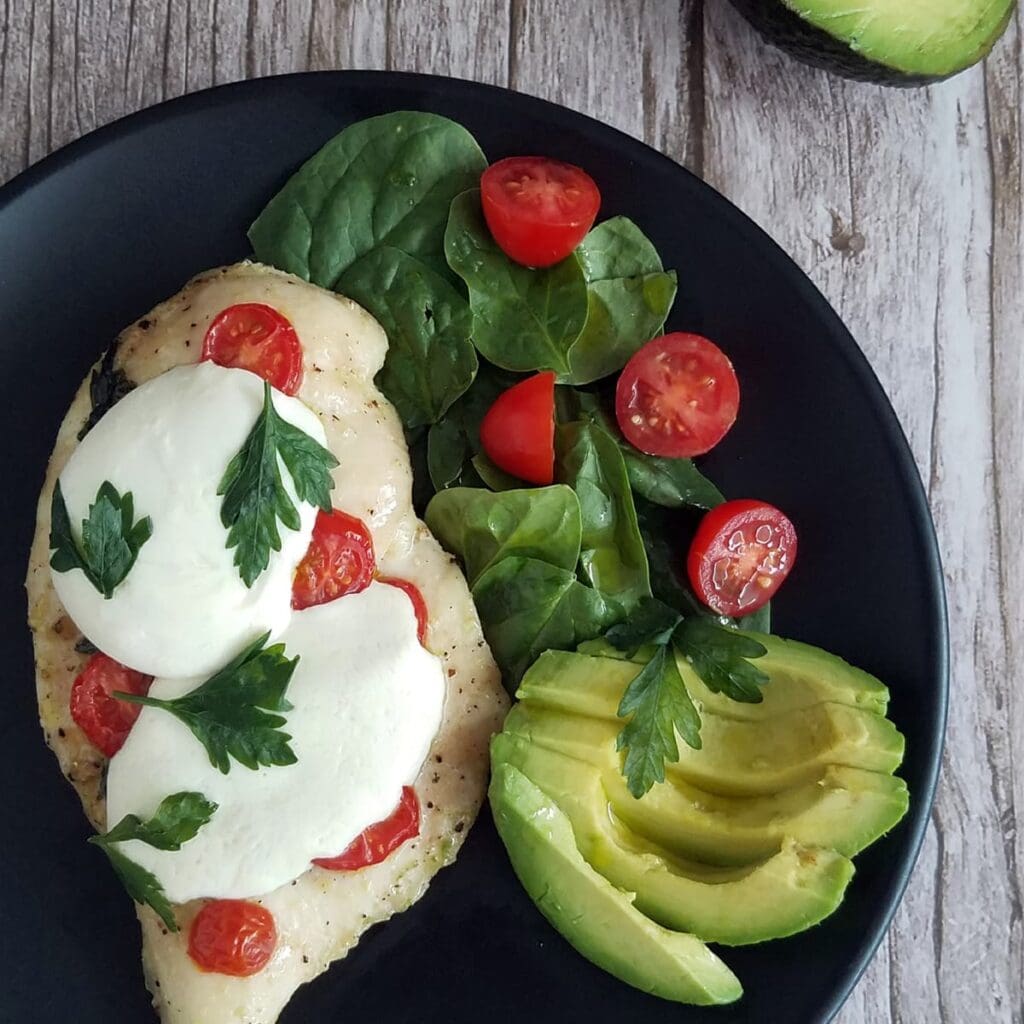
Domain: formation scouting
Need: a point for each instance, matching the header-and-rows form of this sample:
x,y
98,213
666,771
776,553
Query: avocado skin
x,y
780,26
599,920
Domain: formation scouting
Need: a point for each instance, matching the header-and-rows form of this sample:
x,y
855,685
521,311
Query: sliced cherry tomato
x,y
538,209
104,719
375,843
740,555
232,937
518,432
677,396
253,336
339,560
419,606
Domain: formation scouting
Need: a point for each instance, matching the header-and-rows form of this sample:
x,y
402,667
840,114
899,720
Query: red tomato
x,y
677,396
104,719
339,560
740,555
375,843
538,209
232,937
518,432
419,606
253,336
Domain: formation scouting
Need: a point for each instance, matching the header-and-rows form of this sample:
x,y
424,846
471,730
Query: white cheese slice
x,y
367,700
183,609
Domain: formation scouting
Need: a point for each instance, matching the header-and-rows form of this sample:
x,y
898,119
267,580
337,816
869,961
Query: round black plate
x,y
92,237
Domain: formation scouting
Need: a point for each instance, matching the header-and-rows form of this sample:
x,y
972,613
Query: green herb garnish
x,y
232,713
177,820
254,494
657,703
111,538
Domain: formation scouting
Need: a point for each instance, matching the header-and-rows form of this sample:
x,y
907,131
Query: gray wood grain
x,y
904,207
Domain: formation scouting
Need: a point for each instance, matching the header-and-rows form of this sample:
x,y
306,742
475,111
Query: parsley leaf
x,y
254,494
719,656
111,538
657,698
177,820
231,713
659,704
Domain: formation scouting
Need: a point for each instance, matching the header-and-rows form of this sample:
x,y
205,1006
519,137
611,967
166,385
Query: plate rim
x,y
846,345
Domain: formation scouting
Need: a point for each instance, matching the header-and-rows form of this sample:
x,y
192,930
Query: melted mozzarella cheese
x,y
367,700
183,609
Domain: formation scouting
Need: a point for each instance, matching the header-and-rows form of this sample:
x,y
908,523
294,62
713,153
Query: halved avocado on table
x,y
790,891
597,918
800,676
846,809
740,758
892,42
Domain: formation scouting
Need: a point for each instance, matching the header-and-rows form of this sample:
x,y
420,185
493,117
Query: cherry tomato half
x,y
253,336
740,555
677,396
538,209
104,719
378,841
518,432
339,560
419,606
232,937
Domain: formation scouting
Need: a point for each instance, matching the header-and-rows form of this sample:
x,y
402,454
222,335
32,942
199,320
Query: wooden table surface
x,y
903,206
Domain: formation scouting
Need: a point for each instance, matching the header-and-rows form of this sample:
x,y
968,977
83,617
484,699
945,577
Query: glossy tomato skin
x,y
340,560
256,337
741,553
678,396
378,841
419,606
538,209
518,432
104,719
233,937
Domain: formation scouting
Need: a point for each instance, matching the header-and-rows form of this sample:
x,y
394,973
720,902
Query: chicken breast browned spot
x,y
321,916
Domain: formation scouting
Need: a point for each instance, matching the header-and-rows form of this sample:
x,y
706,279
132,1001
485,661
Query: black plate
x,y
94,236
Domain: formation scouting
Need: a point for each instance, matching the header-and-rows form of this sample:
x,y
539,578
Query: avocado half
x,y
890,42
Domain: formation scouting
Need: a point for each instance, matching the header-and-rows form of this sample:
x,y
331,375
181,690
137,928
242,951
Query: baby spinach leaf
x,y
668,482
612,559
494,477
430,360
629,296
387,180
455,439
527,607
483,528
107,386
523,319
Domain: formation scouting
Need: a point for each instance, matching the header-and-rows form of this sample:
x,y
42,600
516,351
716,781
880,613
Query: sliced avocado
x,y
741,758
787,893
846,809
893,42
599,920
800,676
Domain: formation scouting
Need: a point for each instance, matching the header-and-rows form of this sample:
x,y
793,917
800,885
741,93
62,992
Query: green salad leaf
x,y
629,296
384,181
108,384
111,537
177,820
493,477
431,360
528,606
483,528
254,493
613,559
235,713
523,319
